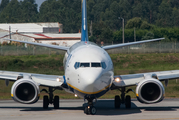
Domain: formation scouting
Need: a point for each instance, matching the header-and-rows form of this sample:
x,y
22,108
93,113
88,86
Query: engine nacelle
x,y
150,91
25,91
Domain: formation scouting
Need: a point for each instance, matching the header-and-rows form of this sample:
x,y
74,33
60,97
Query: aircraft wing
x,y
43,45
40,79
128,44
134,79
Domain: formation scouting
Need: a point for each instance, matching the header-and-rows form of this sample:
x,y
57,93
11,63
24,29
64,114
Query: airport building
x,y
47,33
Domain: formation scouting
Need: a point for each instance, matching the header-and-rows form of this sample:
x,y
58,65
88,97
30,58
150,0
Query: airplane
x,y
89,74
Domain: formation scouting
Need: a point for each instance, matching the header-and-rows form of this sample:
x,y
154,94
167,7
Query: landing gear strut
x,y
50,100
123,100
90,109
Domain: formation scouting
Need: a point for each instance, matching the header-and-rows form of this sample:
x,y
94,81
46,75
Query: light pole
x,y
122,27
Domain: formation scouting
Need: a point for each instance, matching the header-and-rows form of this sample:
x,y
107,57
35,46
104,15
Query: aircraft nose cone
x,y
90,80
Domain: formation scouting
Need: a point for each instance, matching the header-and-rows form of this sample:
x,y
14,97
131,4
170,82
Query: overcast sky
x,y
39,2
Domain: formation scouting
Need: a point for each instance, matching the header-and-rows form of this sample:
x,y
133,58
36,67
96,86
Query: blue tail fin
x,y
84,27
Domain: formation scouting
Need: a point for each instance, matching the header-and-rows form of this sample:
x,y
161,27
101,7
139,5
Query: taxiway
x,y
168,109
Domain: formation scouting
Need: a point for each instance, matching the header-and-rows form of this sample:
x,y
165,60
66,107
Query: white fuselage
x,y
88,70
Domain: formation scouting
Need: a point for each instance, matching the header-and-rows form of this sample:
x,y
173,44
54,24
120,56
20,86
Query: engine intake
x,y
25,91
150,91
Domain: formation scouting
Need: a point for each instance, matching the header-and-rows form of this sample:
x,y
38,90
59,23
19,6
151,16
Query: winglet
x,y
84,27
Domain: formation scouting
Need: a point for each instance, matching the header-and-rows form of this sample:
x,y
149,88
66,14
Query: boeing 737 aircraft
x,y
88,74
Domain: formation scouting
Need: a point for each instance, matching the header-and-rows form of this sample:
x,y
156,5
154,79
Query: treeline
x,y
150,18
170,35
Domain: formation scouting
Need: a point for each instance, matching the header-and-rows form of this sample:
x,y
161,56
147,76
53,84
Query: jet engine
x,y
150,91
25,91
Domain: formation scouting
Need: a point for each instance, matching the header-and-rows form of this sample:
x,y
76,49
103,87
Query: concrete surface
x,y
73,110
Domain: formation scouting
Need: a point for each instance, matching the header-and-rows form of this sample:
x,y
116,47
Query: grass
x,y
123,64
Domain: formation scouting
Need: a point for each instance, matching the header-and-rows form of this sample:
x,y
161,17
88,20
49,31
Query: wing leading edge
x,y
134,79
131,43
40,79
43,45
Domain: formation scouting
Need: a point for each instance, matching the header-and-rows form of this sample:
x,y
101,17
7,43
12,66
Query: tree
x,y
134,22
164,16
146,25
29,8
174,3
90,5
141,14
148,36
110,16
137,10
63,12
153,9
47,13
175,17
23,11
11,13
101,32
125,8
3,4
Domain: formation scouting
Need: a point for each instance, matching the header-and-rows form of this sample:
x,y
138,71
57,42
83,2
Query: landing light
x,y
76,95
58,79
117,79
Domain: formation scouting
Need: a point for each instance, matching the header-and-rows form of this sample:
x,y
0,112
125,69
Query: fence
x,y
155,47
29,50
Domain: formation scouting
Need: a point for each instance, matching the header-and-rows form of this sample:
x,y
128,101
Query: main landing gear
x,y
123,100
90,109
50,100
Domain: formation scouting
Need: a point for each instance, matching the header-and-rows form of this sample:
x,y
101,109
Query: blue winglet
x,y
84,27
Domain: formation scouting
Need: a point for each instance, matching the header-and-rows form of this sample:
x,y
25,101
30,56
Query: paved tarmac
x,y
73,110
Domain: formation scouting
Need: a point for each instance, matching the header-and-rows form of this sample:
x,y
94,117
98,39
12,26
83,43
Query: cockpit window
x,y
103,64
85,65
77,65
95,64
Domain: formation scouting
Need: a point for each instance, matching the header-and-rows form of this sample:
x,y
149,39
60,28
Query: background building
x,y
47,33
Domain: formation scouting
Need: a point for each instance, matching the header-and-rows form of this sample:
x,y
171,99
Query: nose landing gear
x,y
90,109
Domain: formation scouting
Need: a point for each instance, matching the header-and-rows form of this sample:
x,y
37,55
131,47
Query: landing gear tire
x,y
128,102
45,102
56,102
117,102
86,110
90,110
93,110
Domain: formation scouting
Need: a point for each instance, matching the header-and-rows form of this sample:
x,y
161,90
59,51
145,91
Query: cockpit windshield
x,y
85,65
92,64
95,64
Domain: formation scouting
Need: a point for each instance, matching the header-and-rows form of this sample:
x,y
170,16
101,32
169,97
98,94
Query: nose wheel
x,y
90,109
